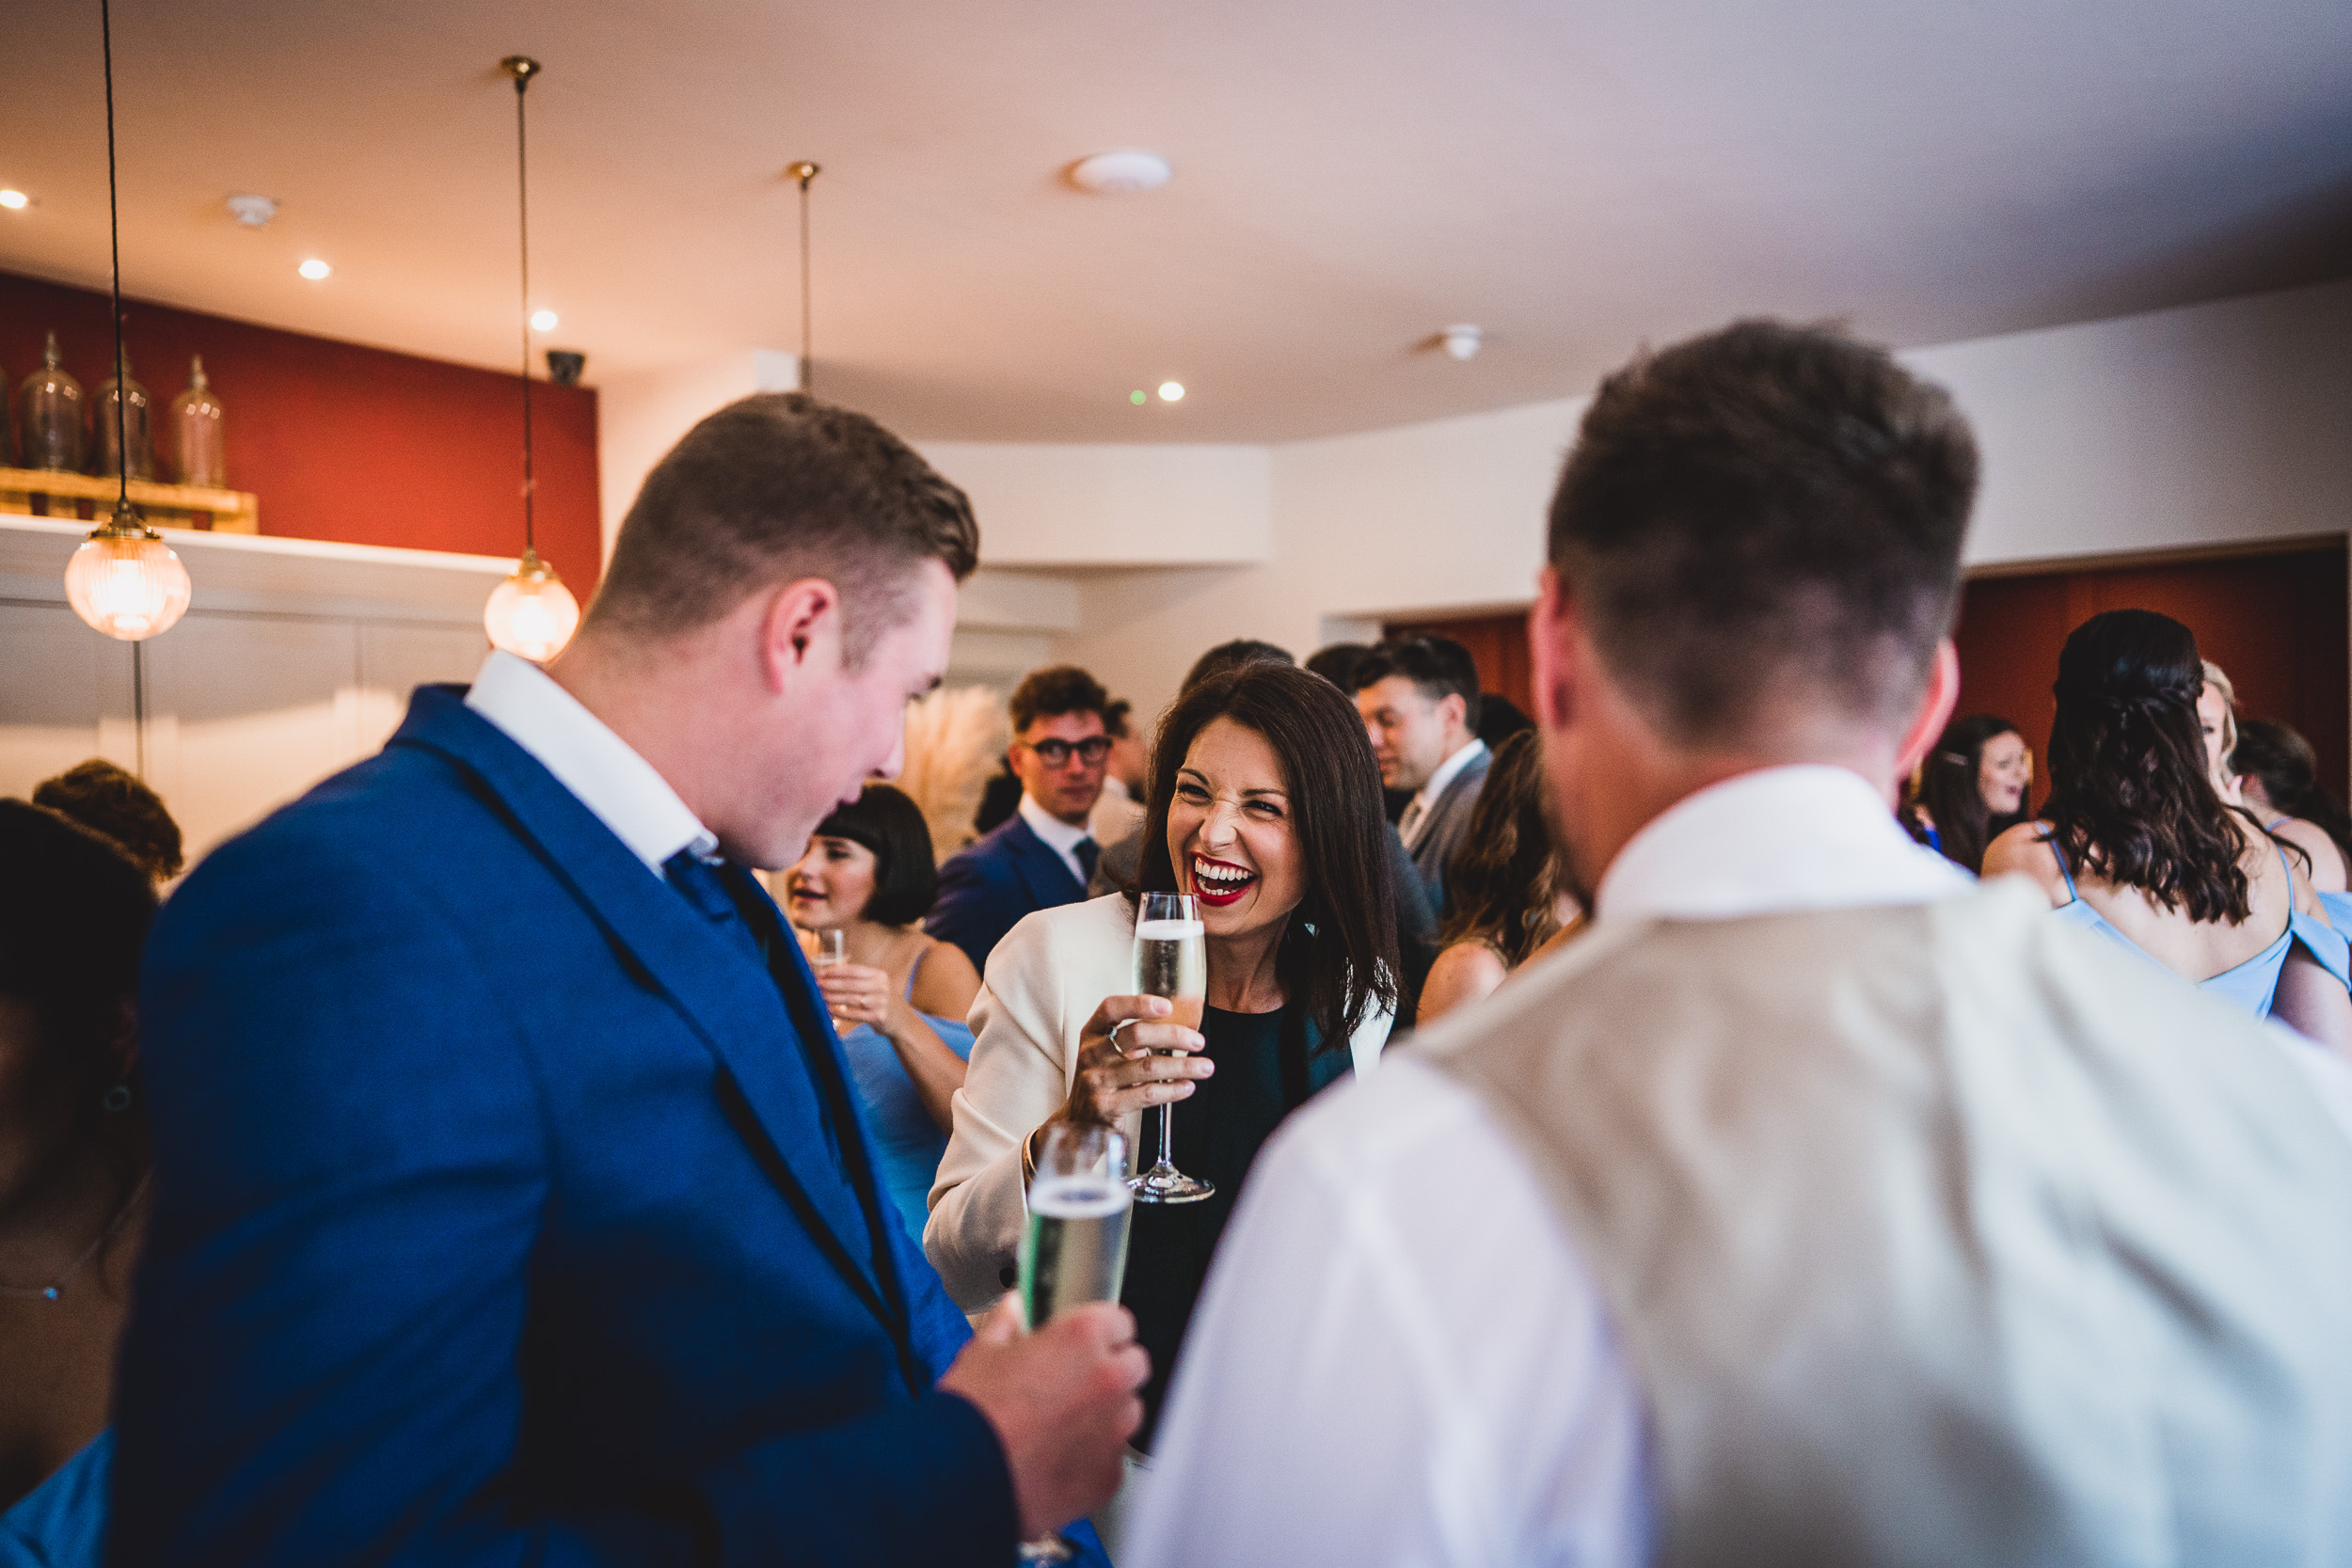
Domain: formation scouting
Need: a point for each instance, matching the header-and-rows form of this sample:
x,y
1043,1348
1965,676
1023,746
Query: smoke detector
x,y
1120,173
1463,341
254,212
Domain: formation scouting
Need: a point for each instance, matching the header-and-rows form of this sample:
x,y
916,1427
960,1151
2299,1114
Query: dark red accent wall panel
x,y
343,442
2277,623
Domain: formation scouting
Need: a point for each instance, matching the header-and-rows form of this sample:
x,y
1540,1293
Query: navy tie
x,y
1087,852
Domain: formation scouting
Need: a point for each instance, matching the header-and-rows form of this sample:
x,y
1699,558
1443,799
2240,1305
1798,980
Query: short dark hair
x,y
2131,799
1232,656
1337,663
1765,506
1338,955
1438,667
74,910
2288,769
1504,878
111,800
887,822
1115,719
1059,688
775,486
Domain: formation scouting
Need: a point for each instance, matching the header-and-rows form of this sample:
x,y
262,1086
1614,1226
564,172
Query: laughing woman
x,y
1264,806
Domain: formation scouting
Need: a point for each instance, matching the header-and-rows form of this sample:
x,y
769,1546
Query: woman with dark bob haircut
x,y
1265,807
2140,847
900,996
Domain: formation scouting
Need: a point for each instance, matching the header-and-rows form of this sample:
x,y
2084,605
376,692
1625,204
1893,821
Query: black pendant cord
x,y
114,239
808,366
522,205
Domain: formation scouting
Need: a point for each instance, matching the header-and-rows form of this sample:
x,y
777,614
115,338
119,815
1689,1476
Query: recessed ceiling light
x,y
15,201
314,269
1172,392
543,321
1120,173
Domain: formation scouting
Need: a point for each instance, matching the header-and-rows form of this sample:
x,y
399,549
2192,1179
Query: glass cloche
x,y
49,407
199,450
135,429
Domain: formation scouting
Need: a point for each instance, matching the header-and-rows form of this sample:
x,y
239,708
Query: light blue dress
x,y
62,1522
2253,985
908,1145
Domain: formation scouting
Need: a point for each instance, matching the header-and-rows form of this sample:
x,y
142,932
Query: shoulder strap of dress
x,y
916,967
2050,839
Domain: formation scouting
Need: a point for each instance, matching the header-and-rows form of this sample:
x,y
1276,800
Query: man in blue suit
x,y
511,1203
1045,853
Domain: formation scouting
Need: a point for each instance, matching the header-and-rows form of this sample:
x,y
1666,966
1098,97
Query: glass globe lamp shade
x,y
532,615
129,585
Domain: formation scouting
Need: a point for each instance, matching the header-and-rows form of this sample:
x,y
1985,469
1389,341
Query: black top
x,y
1266,1068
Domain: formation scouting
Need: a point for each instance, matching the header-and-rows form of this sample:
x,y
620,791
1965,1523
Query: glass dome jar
x,y
133,429
199,450
50,407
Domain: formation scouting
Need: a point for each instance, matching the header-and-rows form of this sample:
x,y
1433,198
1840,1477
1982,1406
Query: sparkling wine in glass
x,y
1171,960
832,950
1075,1251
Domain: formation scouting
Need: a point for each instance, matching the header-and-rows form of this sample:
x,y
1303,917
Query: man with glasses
x,y
1043,855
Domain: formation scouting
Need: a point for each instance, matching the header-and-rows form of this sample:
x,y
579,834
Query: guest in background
x,y
2137,845
1336,663
1971,789
2216,720
902,996
1509,902
1000,798
74,1172
1264,805
115,802
1232,656
1419,698
1043,854
2277,778
1119,810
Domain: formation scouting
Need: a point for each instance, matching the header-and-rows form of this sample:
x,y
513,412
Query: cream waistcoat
x,y
1939,1234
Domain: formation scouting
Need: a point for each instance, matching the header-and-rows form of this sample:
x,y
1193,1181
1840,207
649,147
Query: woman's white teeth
x,y
1228,875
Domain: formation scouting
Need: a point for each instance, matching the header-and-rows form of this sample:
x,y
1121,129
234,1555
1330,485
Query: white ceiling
x,y
1351,177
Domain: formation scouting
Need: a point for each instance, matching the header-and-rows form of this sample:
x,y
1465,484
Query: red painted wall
x,y
358,445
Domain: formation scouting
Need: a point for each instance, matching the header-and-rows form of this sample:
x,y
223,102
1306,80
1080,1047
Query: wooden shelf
x,y
190,506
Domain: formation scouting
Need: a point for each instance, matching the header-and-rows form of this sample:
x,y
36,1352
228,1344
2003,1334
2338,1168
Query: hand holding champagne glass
x,y
1074,1250
1171,959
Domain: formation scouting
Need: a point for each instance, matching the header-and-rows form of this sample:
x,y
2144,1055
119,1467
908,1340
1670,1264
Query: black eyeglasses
x,y
1093,749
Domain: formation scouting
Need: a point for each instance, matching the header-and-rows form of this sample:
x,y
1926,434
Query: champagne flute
x,y
1171,960
833,949
1074,1250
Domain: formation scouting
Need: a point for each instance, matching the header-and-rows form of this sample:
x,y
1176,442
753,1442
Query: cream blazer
x,y
1044,980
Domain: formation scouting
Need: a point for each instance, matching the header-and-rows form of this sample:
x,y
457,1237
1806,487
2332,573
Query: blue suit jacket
x,y
985,888
495,1220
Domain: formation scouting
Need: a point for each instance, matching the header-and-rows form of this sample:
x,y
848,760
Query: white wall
x,y
1044,505
2211,424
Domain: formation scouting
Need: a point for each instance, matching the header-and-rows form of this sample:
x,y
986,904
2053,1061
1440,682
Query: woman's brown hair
x,y
1500,881
1338,958
2131,797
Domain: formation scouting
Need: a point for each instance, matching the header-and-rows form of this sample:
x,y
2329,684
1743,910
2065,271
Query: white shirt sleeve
x,y
1397,1359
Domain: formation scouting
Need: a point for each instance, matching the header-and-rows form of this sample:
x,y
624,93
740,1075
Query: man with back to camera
x,y
1818,1207
510,1200
1045,853
1418,696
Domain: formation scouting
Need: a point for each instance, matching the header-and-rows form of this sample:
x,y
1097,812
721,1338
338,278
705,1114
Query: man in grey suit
x,y
1418,696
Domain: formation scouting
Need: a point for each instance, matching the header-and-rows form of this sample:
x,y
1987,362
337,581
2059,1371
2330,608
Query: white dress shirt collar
x,y
1808,837
622,788
1430,792
1063,838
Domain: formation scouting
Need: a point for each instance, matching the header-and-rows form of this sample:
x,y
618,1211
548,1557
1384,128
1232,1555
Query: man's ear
x,y
1936,709
1553,627
801,629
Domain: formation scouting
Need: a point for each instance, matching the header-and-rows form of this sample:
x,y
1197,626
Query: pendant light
x,y
804,171
125,581
532,613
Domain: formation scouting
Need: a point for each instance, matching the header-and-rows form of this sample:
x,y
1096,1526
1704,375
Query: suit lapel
x,y
1044,872
722,996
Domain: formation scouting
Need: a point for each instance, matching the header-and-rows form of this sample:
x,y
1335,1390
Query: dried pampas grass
x,y
955,739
